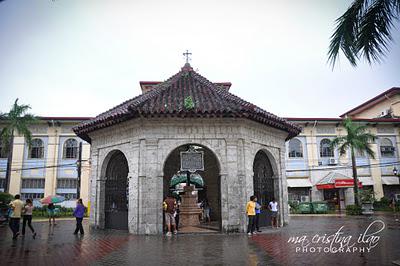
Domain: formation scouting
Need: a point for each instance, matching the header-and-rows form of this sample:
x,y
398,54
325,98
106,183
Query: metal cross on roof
x,y
187,54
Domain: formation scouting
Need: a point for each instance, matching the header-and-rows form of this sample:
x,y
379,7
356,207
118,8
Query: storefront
x,y
299,189
337,190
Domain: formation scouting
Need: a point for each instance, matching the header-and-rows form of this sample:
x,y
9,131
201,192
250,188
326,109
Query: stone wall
x,y
147,144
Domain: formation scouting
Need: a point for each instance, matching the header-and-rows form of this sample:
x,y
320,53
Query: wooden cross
x,y
187,54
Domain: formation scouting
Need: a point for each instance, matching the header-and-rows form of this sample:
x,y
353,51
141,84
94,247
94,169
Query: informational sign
x,y
192,161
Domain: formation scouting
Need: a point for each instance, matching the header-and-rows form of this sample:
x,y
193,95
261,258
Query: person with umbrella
x,y
50,201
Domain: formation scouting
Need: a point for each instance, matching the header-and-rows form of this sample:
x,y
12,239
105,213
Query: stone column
x,y
233,187
93,188
133,215
151,191
248,184
283,191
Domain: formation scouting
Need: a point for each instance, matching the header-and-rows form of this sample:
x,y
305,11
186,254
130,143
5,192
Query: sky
x,y
81,58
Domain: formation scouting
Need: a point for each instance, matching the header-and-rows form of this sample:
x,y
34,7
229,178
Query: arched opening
x,y
264,187
206,188
116,192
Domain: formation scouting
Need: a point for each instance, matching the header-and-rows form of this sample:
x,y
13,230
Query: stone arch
x,y
265,182
170,146
211,176
114,190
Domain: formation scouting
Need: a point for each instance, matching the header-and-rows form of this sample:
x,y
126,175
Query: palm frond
x,y
344,148
374,34
18,120
396,5
5,136
370,152
345,35
338,141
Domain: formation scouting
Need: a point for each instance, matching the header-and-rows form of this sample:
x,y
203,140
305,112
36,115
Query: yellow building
x,y
49,165
315,172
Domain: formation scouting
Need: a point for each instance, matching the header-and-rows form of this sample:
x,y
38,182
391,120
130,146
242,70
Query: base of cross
x,y
189,210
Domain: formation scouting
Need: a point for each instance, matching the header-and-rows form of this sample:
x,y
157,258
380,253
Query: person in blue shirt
x,y
258,211
79,212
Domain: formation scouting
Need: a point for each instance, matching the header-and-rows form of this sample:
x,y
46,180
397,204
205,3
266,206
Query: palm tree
x,y
364,30
17,122
355,140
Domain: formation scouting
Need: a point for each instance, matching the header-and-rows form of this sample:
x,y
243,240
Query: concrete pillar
x,y
85,174
349,196
376,171
51,160
16,163
311,146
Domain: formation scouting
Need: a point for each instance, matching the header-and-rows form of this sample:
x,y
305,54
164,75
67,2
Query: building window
x,y
2,182
33,182
32,196
70,149
3,150
36,150
325,148
387,149
295,149
67,183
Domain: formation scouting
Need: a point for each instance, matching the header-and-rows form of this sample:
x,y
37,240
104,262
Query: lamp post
x,y
396,173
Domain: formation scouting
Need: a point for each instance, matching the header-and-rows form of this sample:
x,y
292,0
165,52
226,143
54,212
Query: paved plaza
x,y
58,246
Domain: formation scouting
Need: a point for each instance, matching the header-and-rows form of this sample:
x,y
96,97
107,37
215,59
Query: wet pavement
x,y
58,246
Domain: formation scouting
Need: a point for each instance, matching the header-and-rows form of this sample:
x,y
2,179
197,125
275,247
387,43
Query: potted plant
x,y
367,201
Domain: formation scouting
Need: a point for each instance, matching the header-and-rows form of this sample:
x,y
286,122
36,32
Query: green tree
x,y
364,30
17,122
357,139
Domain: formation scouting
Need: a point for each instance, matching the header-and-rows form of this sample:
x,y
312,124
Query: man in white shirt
x,y
273,207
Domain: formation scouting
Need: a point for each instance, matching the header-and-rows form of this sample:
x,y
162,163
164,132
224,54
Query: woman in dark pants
x,y
27,217
79,212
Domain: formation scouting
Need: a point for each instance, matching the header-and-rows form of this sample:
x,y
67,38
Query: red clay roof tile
x,y
167,100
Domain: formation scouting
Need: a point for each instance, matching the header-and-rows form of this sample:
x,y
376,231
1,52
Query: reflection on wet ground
x,y
56,245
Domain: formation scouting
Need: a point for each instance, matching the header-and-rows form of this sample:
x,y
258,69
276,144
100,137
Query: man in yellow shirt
x,y
251,214
15,217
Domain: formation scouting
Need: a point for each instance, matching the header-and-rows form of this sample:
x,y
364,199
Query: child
x,y
27,217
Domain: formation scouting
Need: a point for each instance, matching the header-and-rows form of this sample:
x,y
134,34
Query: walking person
x,y
16,210
206,211
51,213
251,213
258,212
27,217
177,212
273,206
79,212
169,207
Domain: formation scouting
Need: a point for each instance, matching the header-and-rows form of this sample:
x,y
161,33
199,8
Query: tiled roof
x,y
167,100
371,102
